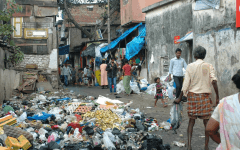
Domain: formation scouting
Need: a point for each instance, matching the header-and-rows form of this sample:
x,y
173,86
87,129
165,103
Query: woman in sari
x,y
226,118
104,79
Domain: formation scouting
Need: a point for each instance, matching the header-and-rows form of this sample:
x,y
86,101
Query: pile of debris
x,y
62,120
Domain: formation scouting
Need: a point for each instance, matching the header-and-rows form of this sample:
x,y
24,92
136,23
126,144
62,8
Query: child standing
x,y
79,75
159,94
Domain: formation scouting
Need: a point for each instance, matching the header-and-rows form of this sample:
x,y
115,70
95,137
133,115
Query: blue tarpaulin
x,y
66,60
64,50
134,47
113,44
44,116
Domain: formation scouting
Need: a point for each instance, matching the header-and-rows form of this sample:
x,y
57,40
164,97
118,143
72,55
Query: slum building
x,y
186,24
36,36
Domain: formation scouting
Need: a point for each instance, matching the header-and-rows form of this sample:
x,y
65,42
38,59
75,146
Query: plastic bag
x,y
134,87
176,116
170,91
22,117
165,125
144,81
120,87
107,142
151,90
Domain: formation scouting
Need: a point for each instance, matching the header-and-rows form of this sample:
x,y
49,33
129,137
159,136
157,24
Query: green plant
x,y
16,57
6,30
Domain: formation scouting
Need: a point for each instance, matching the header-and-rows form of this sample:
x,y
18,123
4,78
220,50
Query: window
x,y
84,35
90,8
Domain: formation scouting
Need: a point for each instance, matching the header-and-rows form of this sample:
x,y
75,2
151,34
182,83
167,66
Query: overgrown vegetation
x,y
6,30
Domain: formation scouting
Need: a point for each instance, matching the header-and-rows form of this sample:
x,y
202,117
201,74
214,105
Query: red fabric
x,y
127,70
237,13
76,125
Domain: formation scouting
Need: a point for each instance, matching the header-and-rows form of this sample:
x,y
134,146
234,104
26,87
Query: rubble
x,y
61,120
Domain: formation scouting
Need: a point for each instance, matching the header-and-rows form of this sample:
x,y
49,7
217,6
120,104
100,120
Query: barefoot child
x,y
159,94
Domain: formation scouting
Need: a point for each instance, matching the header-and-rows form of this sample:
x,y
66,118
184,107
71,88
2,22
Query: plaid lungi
x,y
199,105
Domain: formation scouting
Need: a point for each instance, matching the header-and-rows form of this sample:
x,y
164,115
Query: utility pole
x,y
109,34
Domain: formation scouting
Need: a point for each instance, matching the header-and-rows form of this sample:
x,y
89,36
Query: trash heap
x,y
62,120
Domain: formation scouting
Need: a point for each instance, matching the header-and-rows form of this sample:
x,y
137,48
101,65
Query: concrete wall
x,y
131,10
9,80
215,30
162,24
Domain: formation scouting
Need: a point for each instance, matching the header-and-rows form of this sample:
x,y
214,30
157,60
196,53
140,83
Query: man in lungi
x,y
197,87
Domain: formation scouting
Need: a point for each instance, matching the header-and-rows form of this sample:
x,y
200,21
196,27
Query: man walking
x,y
176,66
197,87
66,72
112,75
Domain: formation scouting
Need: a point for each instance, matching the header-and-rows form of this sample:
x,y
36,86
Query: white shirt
x,y
85,71
66,71
176,66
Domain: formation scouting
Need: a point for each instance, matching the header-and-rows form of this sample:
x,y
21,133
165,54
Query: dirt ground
x,y
145,103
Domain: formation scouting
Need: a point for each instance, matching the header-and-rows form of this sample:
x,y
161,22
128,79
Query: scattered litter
x,y
179,144
62,120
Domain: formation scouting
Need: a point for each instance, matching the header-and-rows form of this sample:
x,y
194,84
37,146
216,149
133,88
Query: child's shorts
x,y
159,96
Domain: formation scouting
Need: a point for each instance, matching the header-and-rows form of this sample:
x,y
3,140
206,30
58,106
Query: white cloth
x,y
66,71
176,66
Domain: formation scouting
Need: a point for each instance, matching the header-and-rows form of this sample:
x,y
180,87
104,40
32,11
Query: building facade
x,y
213,28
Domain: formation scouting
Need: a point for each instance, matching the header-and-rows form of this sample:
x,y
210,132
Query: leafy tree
x,y
6,30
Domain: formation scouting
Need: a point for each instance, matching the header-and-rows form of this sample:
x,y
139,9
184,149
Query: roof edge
x,y
156,5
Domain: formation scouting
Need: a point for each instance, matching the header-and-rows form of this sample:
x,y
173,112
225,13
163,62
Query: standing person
x,y
104,73
62,76
176,66
140,65
74,76
85,71
112,74
66,72
197,87
90,76
159,94
134,72
226,117
127,76
79,75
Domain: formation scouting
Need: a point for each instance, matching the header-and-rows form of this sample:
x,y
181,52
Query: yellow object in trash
x,y
4,148
12,143
25,144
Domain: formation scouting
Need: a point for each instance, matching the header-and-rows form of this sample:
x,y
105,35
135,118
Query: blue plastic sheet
x,y
113,44
64,99
134,47
43,117
64,50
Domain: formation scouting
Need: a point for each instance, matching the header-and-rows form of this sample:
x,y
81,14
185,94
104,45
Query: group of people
x,y
196,86
120,70
68,74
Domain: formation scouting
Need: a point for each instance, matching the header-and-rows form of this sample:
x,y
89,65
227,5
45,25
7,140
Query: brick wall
x,y
83,16
41,60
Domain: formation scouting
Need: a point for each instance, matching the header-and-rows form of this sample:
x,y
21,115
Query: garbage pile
x,y
62,120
